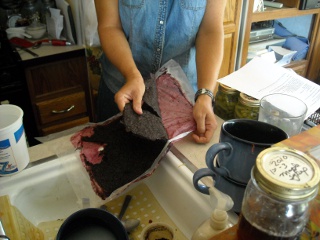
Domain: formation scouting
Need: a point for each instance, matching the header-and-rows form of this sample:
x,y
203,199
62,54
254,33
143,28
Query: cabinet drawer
x,y
61,108
64,126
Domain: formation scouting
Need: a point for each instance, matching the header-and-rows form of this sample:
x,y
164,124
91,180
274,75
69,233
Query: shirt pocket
x,y
193,4
132,3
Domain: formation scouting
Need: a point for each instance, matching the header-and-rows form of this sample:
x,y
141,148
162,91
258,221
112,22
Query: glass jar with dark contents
x,y
276,200
247,107
30,10
225,101
45,9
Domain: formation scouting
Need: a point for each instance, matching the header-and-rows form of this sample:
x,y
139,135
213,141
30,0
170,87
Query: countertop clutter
x,y
190,154
193,155
187,150
58,144
309,143
57,81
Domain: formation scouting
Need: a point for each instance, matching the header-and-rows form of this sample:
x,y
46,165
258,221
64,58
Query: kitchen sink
x,y
51,191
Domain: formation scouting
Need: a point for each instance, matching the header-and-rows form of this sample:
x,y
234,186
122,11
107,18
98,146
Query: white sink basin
x,y
55,189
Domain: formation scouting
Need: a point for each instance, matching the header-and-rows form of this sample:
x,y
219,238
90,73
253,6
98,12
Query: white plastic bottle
x,y
218,222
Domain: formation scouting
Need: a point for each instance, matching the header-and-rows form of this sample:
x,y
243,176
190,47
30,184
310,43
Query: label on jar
x,y
288,168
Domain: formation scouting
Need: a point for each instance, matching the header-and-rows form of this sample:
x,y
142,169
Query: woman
x,y
139,36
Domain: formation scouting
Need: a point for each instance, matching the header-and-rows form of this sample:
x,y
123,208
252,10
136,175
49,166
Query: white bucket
x,y
14,156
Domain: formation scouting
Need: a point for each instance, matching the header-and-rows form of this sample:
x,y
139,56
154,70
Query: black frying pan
x,y
93,224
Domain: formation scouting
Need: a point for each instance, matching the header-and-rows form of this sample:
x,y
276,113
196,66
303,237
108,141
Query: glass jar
x,y
45,12
247,107
276,200
225,101
30,10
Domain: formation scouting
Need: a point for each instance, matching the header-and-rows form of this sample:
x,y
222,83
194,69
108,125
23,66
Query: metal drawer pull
x,y
63,111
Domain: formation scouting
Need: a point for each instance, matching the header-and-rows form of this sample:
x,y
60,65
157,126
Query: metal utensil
x,y
129,224
28,51
2,233
37,45
124,206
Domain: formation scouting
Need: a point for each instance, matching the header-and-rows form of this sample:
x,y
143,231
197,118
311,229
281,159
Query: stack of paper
x,y
259,78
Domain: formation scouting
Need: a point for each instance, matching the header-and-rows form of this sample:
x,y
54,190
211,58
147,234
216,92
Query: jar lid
x,y
227,89
248,100
287,173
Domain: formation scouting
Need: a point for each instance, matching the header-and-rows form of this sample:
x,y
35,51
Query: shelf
x,y
299,67
276,13
308,68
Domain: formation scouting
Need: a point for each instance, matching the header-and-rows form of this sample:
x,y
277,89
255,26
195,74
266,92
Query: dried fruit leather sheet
x,y
168,99
128,147
113,157
149,124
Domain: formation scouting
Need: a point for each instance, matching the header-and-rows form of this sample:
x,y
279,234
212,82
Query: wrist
x,y
202,92
132,74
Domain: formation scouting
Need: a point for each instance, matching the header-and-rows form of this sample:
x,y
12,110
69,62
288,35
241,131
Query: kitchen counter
x,y
63,184
192,154
46,50
189,151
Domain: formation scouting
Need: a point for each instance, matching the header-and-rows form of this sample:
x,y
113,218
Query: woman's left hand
x,y
205,119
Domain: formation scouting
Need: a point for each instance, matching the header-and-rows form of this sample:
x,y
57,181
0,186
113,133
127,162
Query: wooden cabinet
x,y
231,31
59,91
309,67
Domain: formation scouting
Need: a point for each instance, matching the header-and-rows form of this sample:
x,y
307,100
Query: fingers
x,y
120,100
137,105
205,129
130,92
206,123
203,137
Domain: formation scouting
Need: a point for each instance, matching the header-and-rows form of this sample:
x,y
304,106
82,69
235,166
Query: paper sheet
x,y
260,77
68,23
54,23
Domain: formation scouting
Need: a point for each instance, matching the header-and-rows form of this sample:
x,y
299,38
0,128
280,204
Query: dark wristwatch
x,y
204,91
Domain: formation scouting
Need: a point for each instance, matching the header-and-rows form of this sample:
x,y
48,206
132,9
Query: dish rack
x,y
313,119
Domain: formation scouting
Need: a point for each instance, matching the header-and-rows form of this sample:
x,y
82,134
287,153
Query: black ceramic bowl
x,y
93,224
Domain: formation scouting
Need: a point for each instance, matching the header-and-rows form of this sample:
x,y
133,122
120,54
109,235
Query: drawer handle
x,y
63,111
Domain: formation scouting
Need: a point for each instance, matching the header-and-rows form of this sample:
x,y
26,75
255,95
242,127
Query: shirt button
x,y
158,49
161,22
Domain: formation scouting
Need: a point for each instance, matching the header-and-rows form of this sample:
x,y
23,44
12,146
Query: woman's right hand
x,y
133,90
116,47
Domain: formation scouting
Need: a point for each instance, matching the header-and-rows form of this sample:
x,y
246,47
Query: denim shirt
x,y
158,31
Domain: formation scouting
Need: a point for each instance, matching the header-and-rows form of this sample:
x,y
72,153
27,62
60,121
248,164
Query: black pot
x,y
10,4
92,223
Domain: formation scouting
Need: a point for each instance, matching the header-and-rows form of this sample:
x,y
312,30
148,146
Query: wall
x,y
297,25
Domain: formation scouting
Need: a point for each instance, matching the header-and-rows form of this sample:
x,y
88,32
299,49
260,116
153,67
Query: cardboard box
x,y
283,55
